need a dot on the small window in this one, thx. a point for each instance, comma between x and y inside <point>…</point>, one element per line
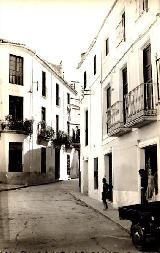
<point>96,173</point>
<point>68,127</point>
<point>85,80</point>
<point>15,157</point>
<point>43,84</point>
<point>57,95</point>
<point>43,113</point>
<point>86,127</point>
<point>16,69</point>
<point>121,30</point>
<point>108,97</point>
<point>68,98</point>
<point>95,65</point>
<point>57,123</point>
<point>107,47</point>
<point>142,6</point>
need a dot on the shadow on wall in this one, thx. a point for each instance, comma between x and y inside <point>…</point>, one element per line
<point>74,169</point>
<point>32,173</point>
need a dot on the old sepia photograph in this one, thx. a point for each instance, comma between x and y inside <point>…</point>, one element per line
<point>79,126</point>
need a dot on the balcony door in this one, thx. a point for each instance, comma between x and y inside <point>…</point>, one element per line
<point>125,92</point>
<point>16,107</point>
<point>147,75</point>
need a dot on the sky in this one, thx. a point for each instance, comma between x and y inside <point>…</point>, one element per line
<point>58,30</point>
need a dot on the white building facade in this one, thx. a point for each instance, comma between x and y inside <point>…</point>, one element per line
<point>34,101</point>
<point>120,104</point>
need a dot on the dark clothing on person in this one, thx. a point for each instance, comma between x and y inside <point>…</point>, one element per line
<point>144,184</point>
<point>104,193</point>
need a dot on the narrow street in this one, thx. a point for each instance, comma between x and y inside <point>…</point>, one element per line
<point>48,218</point>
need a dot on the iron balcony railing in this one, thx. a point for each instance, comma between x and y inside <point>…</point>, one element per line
<point>115,120</point>
<point>140,102</point>
<point>10,124</point>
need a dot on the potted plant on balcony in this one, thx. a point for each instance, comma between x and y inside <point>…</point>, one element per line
<point>45,132</point>
<point>7,123</point>
<point>28,126</point>
<point>62,138</point>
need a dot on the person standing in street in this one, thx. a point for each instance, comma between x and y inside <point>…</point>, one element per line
<point>104,193</point>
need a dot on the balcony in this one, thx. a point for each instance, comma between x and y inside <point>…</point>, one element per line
<point>139,106</point>
<point>115,121</point>
<point>45,133</point>
<point>18,126</point>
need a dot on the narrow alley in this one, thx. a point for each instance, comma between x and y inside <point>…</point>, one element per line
<point>48,218</point>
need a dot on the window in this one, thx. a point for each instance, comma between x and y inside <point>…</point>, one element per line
<point>142,5</point>
<point>43,160</point>
<point>43,84</point>
<point>57,123</point>
<point>15,157</point>
<point>125,92</point>
<point>96,173</point>
<point>57,94</point>
<point>94,64</point>
<point>147,75</point>
<point>85,80</point>
<point>107,46</point>
<point>16,107</point>
<point>108,91</point>
<point>86,127</point>
<point>43,113</point>
<point>121,30</point>
<point>68,128</point>
<point>16,69</point>
<point>68,98</point>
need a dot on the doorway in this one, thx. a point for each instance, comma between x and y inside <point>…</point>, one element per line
<point>57,163</point>
<point>85,178</point>
<point>151,171</point>
<point>108,173</point>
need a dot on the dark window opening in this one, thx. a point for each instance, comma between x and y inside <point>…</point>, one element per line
<point>16,69</point>
<point>43,83</point>
<point>16,107</point>
<point>68,98</point>
<point>57,94</point>
<point>86,128</point>
<point>96,173</point>
<point>108,107</point>
<point>43,113</point>
<point>125,92</point>
<point>147,74</point>
<point>94,64</point>
<point>145,5</point>
<point>57,123</point>
<point>107,46</point>
<point>123,26</point>
<point>68,128</point>
<point>43,160</point>
<point>85,80</point>
<point>15,157</point>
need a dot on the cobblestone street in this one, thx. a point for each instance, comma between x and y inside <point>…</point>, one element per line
<point>48,218</point>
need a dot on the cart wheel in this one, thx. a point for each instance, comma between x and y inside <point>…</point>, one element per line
<point>138,236</point>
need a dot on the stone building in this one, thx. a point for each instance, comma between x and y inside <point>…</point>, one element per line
<point>120,130</point>
<point>35,123</point>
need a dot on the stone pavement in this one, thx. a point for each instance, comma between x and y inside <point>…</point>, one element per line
<point>111,213</point>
